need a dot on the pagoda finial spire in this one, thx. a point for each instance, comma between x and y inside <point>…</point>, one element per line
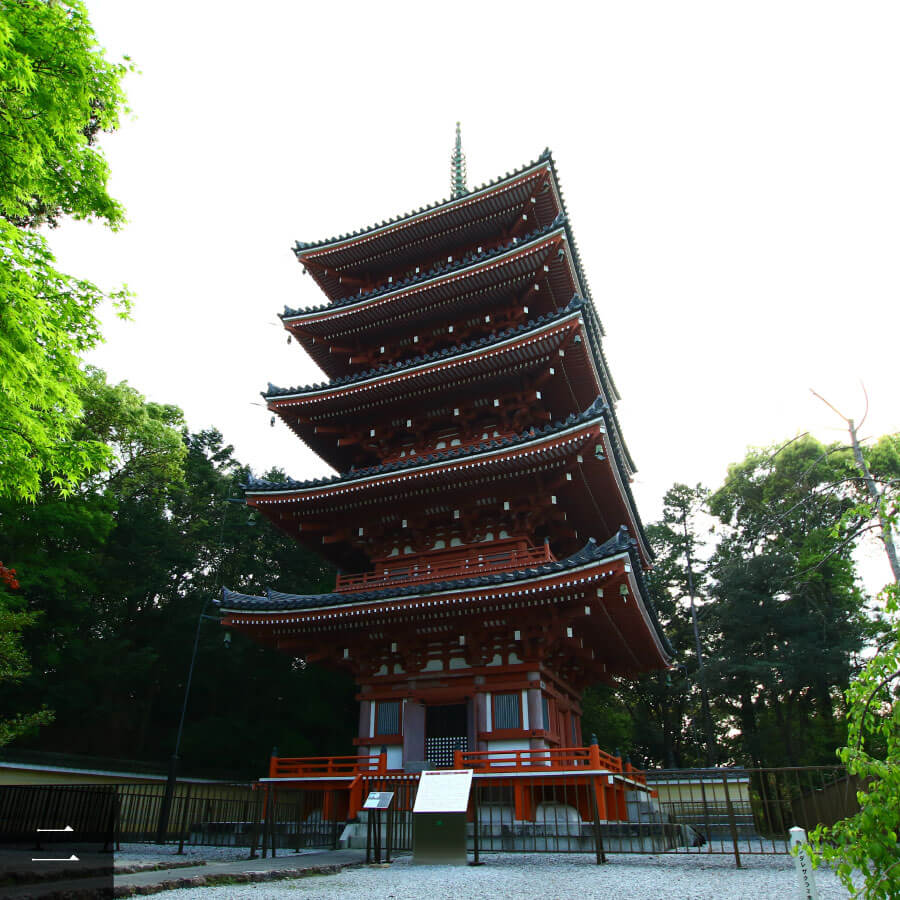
<point>458,185</point>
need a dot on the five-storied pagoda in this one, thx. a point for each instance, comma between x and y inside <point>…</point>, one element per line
<point>490,551</point>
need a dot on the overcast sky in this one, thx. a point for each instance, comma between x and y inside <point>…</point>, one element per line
<point>732,173</point>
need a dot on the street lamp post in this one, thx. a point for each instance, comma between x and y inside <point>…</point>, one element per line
<point>165,809</point>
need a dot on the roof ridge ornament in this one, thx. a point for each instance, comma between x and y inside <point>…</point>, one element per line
<point>458,187</point>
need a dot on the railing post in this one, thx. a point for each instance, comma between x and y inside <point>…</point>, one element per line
<point>382,761</point>
<point>273,763</point>
<point>731,823</point>
<point>457,759</point>
<point>594,753</point>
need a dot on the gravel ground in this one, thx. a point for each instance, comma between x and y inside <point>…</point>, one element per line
<point>135,853</point>
<point>554,877</point>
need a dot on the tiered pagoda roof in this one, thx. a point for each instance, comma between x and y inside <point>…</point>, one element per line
<point>518,199</point>
<point>488,359</point>
<point>470,414</point>
<point>582,575</point>
<point>583,436</point>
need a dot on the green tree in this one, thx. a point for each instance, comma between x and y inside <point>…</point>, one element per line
<point>14,665</point>
<point>57,91</point>
<point>120,571</point>
<point>866,844</point>
<point>658,718</point>
<point>67,547</point>
<point>788,618</point>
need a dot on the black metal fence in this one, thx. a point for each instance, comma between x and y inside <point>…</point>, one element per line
<point>713,811</point>
<point>743,811</point>
<point>58,812</point>
<point>261,819</point>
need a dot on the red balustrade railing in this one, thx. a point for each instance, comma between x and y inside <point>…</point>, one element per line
<point>562,758</point>
<point>468,567</point>
<point>326,766</point>
<point>499,762</point>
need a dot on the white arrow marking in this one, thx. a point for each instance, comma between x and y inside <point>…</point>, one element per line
<point>72,858</point>
<point>67,828</point>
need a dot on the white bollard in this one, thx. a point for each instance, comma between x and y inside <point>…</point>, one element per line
<point>803,866</point>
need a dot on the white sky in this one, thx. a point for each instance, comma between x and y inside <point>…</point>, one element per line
<point>732,173</point>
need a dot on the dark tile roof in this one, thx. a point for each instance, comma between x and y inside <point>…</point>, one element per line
<point>300,246</point>
<point>436,271</point>
<point>592,552</point>
<point>599,409</point>
<point>495,337</point>
<point>596,410</point>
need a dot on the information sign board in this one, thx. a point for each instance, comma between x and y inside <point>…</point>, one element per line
<point>443,791</point>
<point>378,800</point>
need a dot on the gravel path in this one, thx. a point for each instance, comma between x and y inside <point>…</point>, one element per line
<point>554,877</point>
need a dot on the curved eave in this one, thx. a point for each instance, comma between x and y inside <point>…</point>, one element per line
<point>504,458</point>
<point>369,309</point>
<point>281,617</point>
<point>453,376</point>
<point>510,459</point>
<point>430,223</point>
<point>458,361</point>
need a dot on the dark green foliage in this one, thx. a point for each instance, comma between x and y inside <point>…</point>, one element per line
<point>665,724</point>
<point>119,573</point>
<point>781,618</point>
<point>788,618</point>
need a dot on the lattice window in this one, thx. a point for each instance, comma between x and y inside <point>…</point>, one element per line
<point>387,717</point>
<point>439,750</point>
<point>506,711</point>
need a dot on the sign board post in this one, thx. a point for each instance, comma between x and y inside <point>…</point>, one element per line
<point>375,802</point>
<point>803,866</point>
<point>439,817</point>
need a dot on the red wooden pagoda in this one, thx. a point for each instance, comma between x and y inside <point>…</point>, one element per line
<point>490,551</point>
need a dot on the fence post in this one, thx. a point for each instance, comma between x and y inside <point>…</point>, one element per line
<point>708,834</point>
<point>335,833</point>
<point>595,812</point>
<point>265,823</point>
<point>731,823</point>
<point>390,827</point>
<point>184,819</point>
<point>257,807</point>
<point>162,827</point>
<point>475,826</point>
<point>273,824</point>
<point>377,816</point>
